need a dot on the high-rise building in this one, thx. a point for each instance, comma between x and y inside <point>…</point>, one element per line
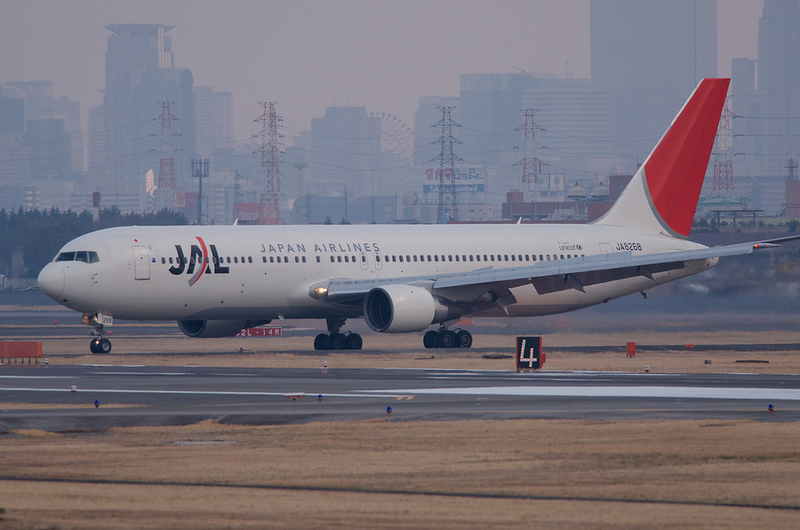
<point>649,55</point>
<point>345,152</point>
<point>214,120</point>
<point>140,75</point>
<point>779,85</point>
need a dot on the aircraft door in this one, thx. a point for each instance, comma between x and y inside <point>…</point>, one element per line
<point>141,262</point>
<point>364,263</point>
<point>378,260</point>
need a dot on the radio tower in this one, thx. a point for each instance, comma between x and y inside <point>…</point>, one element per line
<point>448,194</point>
<point>166,166</point>
<point>723,165</point>
<point>268,211</point>
<point>530,164</point>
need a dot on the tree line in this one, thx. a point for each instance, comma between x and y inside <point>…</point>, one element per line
<point>41,233</point>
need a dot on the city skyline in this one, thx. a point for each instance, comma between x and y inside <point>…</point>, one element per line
<point>308,56</point>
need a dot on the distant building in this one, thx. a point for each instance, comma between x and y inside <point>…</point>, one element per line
<point>344,152</point>
<point>41,146</point>
<point>140,75</point>
<point>778,85</point>
<point>649,55</point>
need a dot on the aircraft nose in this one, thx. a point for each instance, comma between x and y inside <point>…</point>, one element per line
<point>51,281</point>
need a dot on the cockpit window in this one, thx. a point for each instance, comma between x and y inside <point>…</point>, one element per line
<point>86,256</point>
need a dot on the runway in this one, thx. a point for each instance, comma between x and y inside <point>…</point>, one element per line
<point>142,395</point>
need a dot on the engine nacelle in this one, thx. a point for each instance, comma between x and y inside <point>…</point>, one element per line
<point>405,308</point>
<point>211,329</point>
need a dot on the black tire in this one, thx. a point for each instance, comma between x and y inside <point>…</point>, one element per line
<point>447,339</point>
<point>464,339</point>
<point>322,342</point>
<point>338,341</point>
<point>104,346</point>
<point>431,339</point>
<point>354,341</point>
<point>93,346</point>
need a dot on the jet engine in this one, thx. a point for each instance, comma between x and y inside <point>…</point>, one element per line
<point>210,329</point>
<point>405,308</point>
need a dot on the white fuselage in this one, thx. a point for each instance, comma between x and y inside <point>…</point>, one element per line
<point>267,272</point>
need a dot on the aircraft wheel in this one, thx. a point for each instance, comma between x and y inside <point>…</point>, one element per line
<point>464,339</point>
<point>429,340</point>
<point>93,346</point>
<point>337,341</point>
<point>354,341</point>
<point>104,346</point>
<point>322,342</point>
<point>447,339</point>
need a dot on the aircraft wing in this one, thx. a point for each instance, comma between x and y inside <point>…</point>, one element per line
<point>547,276</point>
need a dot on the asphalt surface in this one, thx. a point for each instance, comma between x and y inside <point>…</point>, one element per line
<point>141,395</point>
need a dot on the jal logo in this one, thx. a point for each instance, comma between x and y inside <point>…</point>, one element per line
<point>199,261</point>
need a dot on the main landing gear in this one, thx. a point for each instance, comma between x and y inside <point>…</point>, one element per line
<point>447,338</point>
<point>99,344</point>
<point>335,340</point>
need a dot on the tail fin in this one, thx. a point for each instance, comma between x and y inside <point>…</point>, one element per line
<point>663,194</point>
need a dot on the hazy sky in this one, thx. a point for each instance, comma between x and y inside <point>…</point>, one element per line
<point>308,55</point>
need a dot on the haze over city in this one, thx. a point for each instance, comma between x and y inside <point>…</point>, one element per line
<point>309,55</point>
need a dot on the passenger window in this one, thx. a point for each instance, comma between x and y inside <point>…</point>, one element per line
<point>415,257</point>
<point>163,261</point>
<point>527,257</point>
<point>456,257</point>
<point>408,258</point>
<point>562,256</point>
<point>339,259</point>
<point>429,257</point>
<point>249,259</point>
<point>304,259</point>
<point>235,259</point>
<point>471,257</point>
<point>492,256</point>
<point>401,259</point>
<point>436,257</point>
<point>394,259</point>
<point>513,257</point>
<point>297,259</point>
<point>318,260</point>
<point>534,257</point>
<point>264,259</point>
<point>548,257</point>
<point>378,258</point>
<point>347,259</point>
<point>506,257</point>
<point>333,260</point>
<point>450,258</point>
<point>541,258</point>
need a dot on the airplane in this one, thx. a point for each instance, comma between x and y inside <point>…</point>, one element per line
<point>217,280</point>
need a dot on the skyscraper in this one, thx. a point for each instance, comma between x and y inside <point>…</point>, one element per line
<point>649,55</point>
<point>139,76</point>
<point>779,85</point>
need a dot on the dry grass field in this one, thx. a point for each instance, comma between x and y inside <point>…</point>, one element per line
<point>392,474</point>
<point>383,474</point>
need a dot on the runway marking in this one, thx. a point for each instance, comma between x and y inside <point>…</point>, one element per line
<point>200,392</point>
<point>611,391</point>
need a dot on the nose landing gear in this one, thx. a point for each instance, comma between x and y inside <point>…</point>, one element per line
<point>100,344</point>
